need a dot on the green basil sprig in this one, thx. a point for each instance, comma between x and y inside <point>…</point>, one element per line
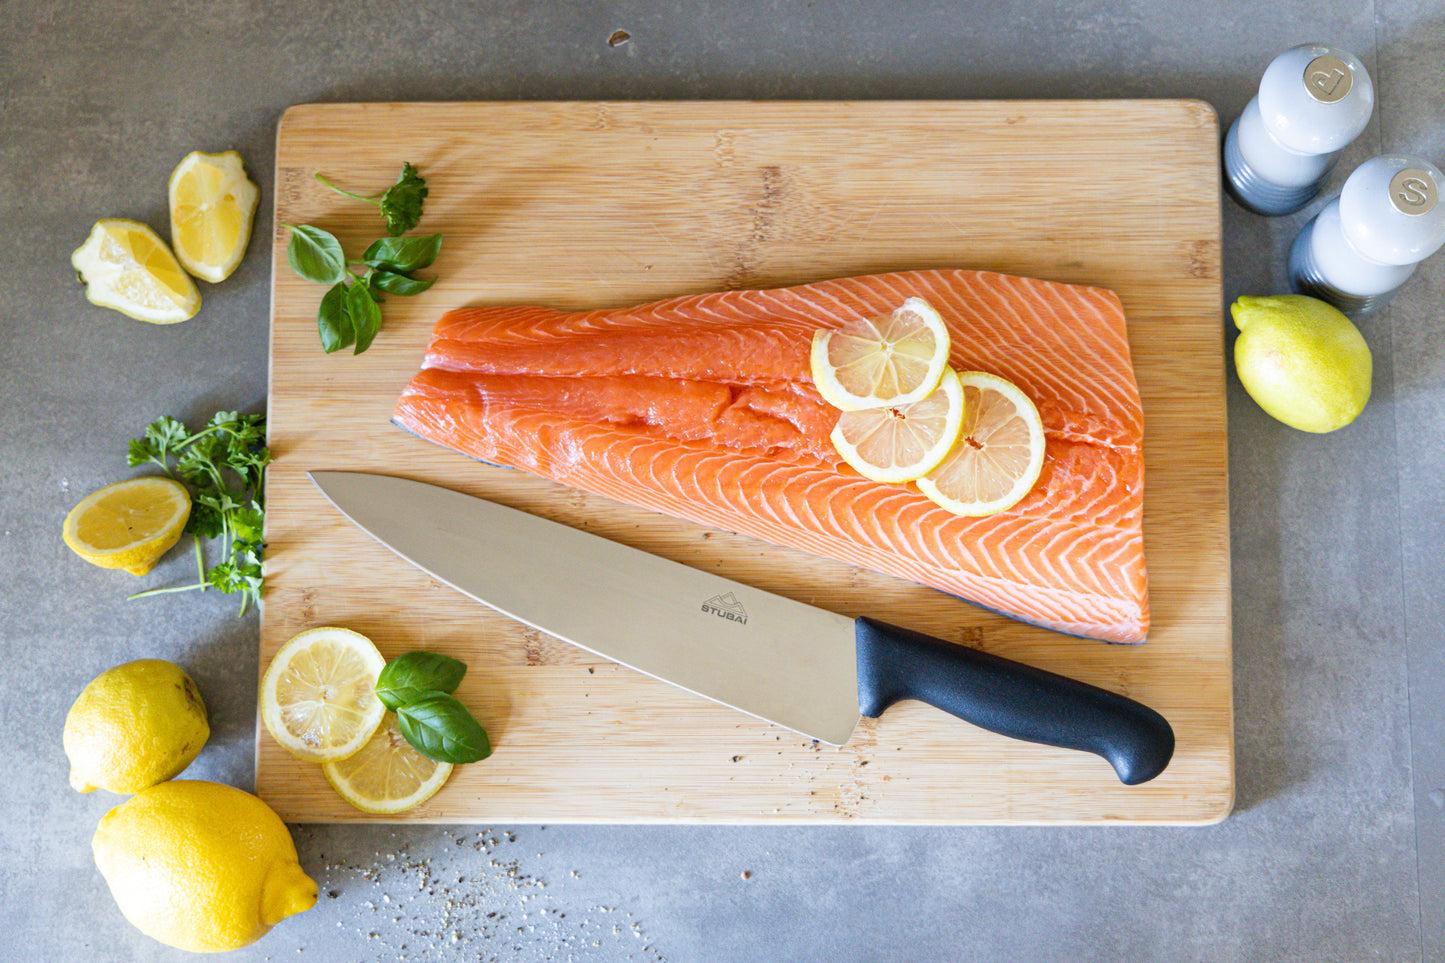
<point>418,687</point>
<point>349,313</point>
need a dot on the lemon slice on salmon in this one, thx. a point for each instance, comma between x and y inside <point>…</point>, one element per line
<point>388,775</point>
<point>126,266</point>
<point>212,204</point>
<point>899,443</point>
<point>318,697</point>
<point>128,525</point>
<point>895,359</point>
<point>999,452</point>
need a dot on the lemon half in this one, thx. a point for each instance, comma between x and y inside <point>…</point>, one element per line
<point>999,453</point>
<point>128,525</point>
<point>895,359</point>
<point>318,697</point>
<point>388,775</point>
<point>901,442</point>
<point>212,205</point>
<point>126,266</point>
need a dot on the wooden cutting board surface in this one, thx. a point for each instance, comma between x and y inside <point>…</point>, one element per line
<point>580,205</point>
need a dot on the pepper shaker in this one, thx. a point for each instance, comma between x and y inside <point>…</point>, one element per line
<point>1313,101</point>
<point>1357,251</point>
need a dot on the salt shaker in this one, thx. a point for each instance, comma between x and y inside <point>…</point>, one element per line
<point>1313,101</point>
<point>1362,245</point>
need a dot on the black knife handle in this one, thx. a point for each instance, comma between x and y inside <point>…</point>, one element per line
<point>1010,698</point>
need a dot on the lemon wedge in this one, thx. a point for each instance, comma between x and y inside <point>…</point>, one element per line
<point>388,775</point>
<point>212,206</point>
<point>999,451</point>
<point>899,443</point>
<point>124,265</point>
<point>895,359</point>
<point>318,697</point>
<point>128,525</point>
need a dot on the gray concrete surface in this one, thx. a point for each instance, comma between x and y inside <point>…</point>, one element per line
<point>1334,852</point>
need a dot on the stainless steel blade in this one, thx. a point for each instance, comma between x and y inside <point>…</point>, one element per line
<point>772,657</point>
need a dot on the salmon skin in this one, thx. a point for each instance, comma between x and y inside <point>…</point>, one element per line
<point>703,407</point>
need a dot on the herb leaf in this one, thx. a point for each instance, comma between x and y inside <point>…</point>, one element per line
<point>333,320</point>
<point>365,315</point>
<point>315,254</point>
<point>412,677</point>
<point>401,205</point>
<point>393,283</point>
<point>225,466</point>
<point>403,254</point>
<point>439,727</point>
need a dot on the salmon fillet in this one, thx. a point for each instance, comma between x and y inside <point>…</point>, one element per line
<point>703,407</point>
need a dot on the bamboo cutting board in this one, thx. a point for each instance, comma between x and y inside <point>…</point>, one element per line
<point>579,205</point>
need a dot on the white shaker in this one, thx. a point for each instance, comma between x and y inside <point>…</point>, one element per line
<point>1362,245</point>
<point>1313,101</point>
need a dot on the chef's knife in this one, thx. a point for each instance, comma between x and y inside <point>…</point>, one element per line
<point>801,667</point>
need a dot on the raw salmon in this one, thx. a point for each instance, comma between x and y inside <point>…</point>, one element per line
<point>704,407</point>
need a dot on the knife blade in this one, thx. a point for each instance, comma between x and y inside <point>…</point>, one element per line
<point>809,670</point>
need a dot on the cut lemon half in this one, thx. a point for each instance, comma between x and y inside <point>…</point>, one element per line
<point>895,359</point>
<point>318,697</point>
<point>124,265</point>
<point>899,443</point>
<point>212,205</point>
<point>128,525</point>
<point>387,775</point>
<point>999,452</point>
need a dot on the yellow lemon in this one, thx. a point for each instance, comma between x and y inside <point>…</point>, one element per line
<point>128,525</point>
<point>318,697</point>
<point>895,359</point>
<point>999,453</point>
<point>387,775</point>
<point>212,204</point>
<point>899,443</point>
<point>1301,360</point>
<point>201,866</point>
<point>133,726</point>
<point>124,265</point>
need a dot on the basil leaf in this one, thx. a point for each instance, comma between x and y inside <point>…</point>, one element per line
<point>440,727</point>
<point>333,319</point>
<point>403,254</point>
<point>365,315</point>
<point>412,677</point>
<point>315,254</point>
<point>393,283</point>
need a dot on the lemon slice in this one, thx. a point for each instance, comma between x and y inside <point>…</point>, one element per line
<point>318,697</point>
<point>126,266</point>
<point>212,204</point>
<point>387,775</point>
<point>128,525</point>
<point>902,442</point>
<point>895,359</point>
<point>999,453</point>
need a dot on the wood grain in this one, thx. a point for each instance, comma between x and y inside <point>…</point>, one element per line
<point>580,205</point>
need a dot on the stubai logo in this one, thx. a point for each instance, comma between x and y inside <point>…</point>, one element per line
<point>727,607</point>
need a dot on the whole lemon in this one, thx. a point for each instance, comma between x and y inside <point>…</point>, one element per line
<point>1301,360</point>
<point>201,866</point>
<point>133,726</point>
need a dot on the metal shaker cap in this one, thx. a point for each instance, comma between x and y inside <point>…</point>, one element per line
<point>1316,98</point>
<point>1390,209</point>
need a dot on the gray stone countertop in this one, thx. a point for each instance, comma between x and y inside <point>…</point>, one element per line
<point>1334,849</point>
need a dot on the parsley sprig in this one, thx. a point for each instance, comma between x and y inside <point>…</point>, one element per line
<point>224,465</point>
<point>350,310</point>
